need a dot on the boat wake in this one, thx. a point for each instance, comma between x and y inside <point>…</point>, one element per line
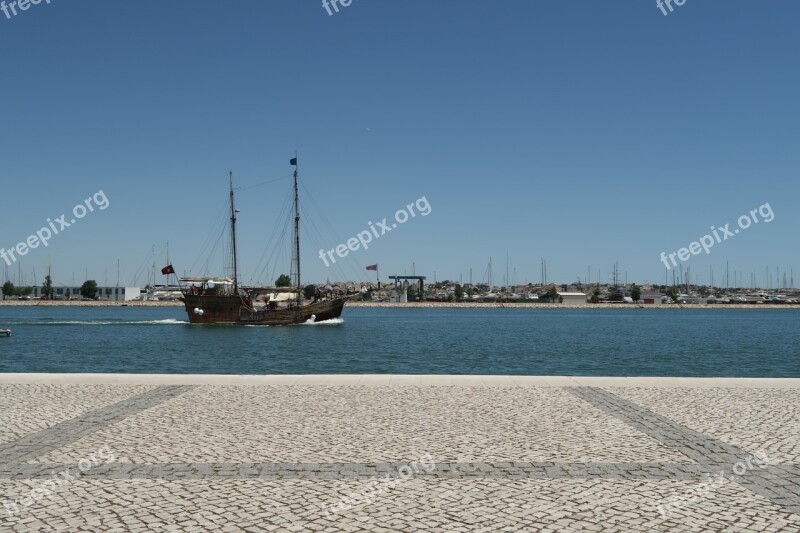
<point>331,322</point>
<point>166,321</point>
<point>309,322</point>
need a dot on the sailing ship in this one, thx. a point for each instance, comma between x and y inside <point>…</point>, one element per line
<point>225,301</point>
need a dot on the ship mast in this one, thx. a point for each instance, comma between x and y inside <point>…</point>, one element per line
<point>233,240</point>
<point>296,250</point>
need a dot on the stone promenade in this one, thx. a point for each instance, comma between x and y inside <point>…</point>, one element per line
<point>398,453</point>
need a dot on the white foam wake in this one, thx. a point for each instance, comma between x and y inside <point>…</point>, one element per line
<point>165,321</point>
<point>331,322</point>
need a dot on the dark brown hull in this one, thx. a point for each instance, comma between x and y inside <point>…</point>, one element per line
<point>236,310</point>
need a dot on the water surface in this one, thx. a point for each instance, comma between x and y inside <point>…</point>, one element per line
<point>591,342</point>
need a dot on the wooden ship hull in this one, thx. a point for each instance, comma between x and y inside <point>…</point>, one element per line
<point>237,310</point>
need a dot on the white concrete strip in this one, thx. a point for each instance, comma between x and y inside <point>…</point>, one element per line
<point>400,380</point>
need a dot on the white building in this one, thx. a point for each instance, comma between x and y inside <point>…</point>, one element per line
<point>573,298</point>
<point>112,294</point>
<point>652,298</point>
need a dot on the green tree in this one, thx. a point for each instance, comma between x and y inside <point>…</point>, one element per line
<point>47,288</point>
<point>23,291</point>
<point>674,293</point>
<point>636,293</point>
<point>283,281</point>
<point>459,292</point>
<point>8,289</point>
<point>552,293</point>
<point>450,297</point>
<point>596,296</point>
<point>89,289</point>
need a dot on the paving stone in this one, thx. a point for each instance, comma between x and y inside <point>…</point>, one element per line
<point>360,424</point>
<point>414,458</point>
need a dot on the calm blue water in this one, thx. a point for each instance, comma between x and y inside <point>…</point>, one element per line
<point>597,342</point>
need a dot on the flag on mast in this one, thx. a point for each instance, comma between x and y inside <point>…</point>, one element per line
<point>167,270</point>
<point>377,276</point>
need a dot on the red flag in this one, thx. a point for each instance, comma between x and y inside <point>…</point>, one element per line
<point>167,270</point>
<point>372,267</point>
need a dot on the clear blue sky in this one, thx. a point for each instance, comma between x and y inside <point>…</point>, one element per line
<point>583,132</point>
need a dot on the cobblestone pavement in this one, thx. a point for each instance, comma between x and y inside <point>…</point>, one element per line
<point>308,457</point>
<point>29,408</point>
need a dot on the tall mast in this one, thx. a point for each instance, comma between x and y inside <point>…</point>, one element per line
<point>296,250</point>
<point>233,239</point>
<point>166,277</point>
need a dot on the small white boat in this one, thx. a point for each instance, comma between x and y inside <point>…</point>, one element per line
<point>5,332</point>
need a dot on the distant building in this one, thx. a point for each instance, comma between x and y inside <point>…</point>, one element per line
<point>573,298</point>
<point>111,294</point>
<point>652,298</point>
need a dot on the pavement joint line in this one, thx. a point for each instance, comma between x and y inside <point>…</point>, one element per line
<point>472,470</point>
<point>50,439</point>
<point>777,483</point>
<point>695,445</point>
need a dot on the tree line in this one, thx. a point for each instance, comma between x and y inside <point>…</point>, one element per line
<point>87,290</point>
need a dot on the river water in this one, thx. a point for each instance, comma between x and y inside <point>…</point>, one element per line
<point>590,342</point>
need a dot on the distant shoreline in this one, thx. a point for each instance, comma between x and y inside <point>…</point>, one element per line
<point>529,305</point>
<point>416,305</point>
<point>96,303</point>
